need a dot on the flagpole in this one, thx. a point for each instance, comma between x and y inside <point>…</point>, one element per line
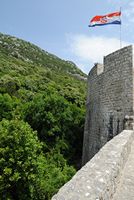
<point>120,32</point>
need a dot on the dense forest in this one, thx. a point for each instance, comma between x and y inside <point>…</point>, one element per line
<point>42,111</point>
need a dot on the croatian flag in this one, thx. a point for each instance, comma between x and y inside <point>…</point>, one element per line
<point>112,18</point>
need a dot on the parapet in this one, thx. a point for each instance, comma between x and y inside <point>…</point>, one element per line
<point>98,179</point>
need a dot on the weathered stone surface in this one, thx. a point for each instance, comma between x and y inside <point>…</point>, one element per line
<point>98,179</point>
<point>110,98</point>
<point>125,189</point>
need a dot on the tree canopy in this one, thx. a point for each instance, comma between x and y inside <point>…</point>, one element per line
<point>42,111</point>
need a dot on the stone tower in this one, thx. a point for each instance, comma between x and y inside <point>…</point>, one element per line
<point>109,100</point>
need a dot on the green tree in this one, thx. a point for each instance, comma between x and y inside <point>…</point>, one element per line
<point>55,173</point>
<point>19,150</point>
<point>56,120</point>
<point>8,106</point>
<point>25,173</point>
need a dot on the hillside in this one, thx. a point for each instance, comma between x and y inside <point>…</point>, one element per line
<point>31,53</point>
<point>21,62</point>
<point>42,111</point>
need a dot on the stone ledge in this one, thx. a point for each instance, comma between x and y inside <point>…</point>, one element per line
<point>98,179</point>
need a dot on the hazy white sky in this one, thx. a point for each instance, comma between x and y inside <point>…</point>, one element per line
<point>61,27</point>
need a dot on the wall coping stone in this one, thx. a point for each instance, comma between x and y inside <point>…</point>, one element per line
<point>98,179</point>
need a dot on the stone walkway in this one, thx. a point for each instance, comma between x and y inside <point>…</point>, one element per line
<point>125,191</point>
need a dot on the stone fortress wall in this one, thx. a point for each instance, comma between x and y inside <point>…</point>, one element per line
<point>109,100</point>
<point>110,105</point>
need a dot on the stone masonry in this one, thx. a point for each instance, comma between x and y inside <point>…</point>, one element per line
<point>109,100</point>
<point>101,178</point>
